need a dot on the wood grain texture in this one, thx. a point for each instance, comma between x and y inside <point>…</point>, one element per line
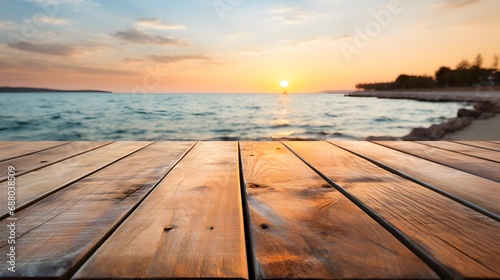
<point>473,165</point>
<point>464,241</point>
<point>305,228</point>
<point>476,190</point>
<point>38,160</point>
<point>465,149</point>
<point>4,144</point>
<point>40,183</point>
<point>57,233</point>
<point>27,148</point>
<point>191,226</point>
<point>481,144</point>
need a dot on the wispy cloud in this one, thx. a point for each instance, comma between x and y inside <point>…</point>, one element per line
<point>292,15</point>
<point>58,1</point>
<point>158,24</point>
<point>39,66</point>
<point>7,65</point>
<point>134,35</point>
<point>454,4</point>
<point>341,38</point>
<point>167,59</point>
<point>50,49</point>
<point>308,41</point>
<point>52,20</point>
<point>53,49</point>
<point>7,25</point>
<point>130,60</point>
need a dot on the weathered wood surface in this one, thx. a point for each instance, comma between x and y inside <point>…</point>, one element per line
<point>27,148</point>
<point>37,184</point>
<point>44,158</point>
<point>305,228</point>
<point>476,190</point>
<point>456,240</point>
<point>481,144</point>
<point>191,226</point>
<point>473,165</point>
<point>465,149</point>
<point>59,232</point>
<point>121,211</point>
<point>5,144</point>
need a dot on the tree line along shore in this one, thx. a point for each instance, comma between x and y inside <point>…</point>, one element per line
<point>465,75</point>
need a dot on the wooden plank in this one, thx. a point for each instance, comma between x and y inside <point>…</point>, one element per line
<point>464,149</point>
<point>476,166</point>
<point>305,228</point>
<point>481,144</point>
<point>25,164</point>
<point>27,148</point>
<point>58,233</point>
<point>40,183</point>
<point>191,226</point>
<point>476,190</point>
<point>457,241</point>
<point>5,144</point>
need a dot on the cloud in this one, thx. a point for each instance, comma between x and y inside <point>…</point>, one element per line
<point>129,60</point>
<point>96,71</point>
<point>308,41</point>
<point>292,15</point>
<point>50,49</point>
<point>7,65</point>
<point>167,59</point>
<point>454,4</point>
<point>341,38</point>
<point>158,24</point>
<point>56,2</point>
<point>37,66</point>
<point>134,35</point>
<point>53,49</point>
<point>7,25</point>
<point>51,20</point>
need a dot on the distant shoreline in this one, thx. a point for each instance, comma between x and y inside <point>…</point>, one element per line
<point>39,90</point>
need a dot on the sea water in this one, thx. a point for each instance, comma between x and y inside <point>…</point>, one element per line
<point>105,116</point>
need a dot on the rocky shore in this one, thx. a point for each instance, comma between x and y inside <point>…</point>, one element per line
<point>487,106</point>
<point>428,96</point>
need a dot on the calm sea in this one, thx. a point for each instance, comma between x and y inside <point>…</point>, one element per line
<point>98,116</point>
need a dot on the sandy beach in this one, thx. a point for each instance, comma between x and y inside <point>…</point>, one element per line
<point>479,130</point>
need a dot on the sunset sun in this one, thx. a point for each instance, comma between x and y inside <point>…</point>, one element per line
<point>284,83</point>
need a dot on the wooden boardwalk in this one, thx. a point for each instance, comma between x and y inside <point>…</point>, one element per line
<point>251,210</point>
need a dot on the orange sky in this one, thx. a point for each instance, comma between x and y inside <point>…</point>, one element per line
<point>212,46</point>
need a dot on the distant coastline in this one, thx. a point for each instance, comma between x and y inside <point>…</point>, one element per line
<point>34,90</point>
